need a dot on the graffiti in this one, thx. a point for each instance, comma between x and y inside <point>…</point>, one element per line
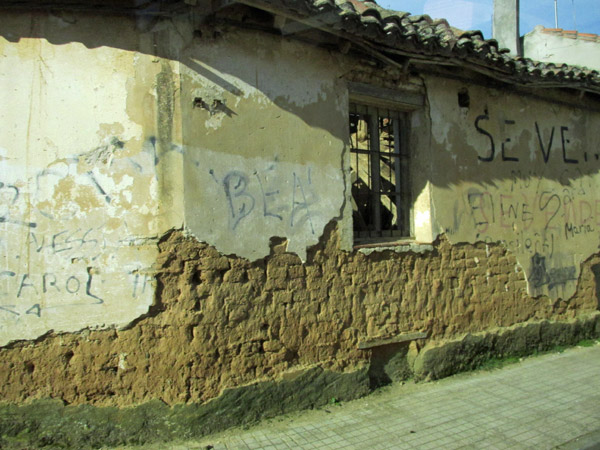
<point>561,276</point>
<point>529,243</point>
<point>35,309</point>
<point>79,287</point>
<point>268,198</point>
<point>68,242</point>
<point>300,204</point>
<point>540,276</point>
<point>241,203</point>
<point>9,309</point>
<point>100,189</point>
<point>573,230</point>
<point>511,154</point>
<point>165,149</point>
<point>139,284</point>
<point>243,195</point>
<point>536,220</point>
<point>544,149</point>
<point>520,211</point>
<point>489,158</point>
<point>52,256</point>
<point>544,222</point>
<point>36,284</point>
<point>505,210</point>
<point>48,179</point>
<point>9,195</point>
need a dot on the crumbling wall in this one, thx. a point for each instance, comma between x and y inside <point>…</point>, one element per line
<point>157,129</point>
<point>223,322</point>
<point>521,170</point>
<point>261,284</point>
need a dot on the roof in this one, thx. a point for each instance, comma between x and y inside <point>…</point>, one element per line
<point>397,37</point>
<point>422,38</point>
<point>571,34</point>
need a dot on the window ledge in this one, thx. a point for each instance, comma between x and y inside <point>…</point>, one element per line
<point>399,246</point>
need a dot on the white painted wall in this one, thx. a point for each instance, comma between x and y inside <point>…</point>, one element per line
<point>546,47</point>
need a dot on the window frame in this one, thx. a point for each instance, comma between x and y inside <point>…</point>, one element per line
<point>398,104</point>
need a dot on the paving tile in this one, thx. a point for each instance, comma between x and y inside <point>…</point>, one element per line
<point>538,403</point>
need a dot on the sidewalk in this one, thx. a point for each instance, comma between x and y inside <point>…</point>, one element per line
<point>539,403</point>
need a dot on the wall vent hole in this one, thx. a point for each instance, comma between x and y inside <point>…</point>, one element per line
<point>463,98</point>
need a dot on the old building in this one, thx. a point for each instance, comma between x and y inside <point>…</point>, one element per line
<point>269,204</point>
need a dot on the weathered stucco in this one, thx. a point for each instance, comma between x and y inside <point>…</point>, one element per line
<point>265,137</point>
<point>93,158</point>
<point>83,199</point>
<point>176,220</point>
<point>520,171</point>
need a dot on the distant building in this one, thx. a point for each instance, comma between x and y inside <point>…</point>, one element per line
<point>562,46</point>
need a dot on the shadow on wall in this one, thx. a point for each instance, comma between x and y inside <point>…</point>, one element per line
<point>389,363</point>
<point>498,139</point>
<point>169,38</point>
<point>596,271</point>
<point>496,153</point>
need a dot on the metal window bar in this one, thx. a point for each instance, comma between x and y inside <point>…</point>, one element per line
<point>378,140</point>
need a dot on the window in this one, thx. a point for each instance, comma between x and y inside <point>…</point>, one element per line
<point>379,172</point>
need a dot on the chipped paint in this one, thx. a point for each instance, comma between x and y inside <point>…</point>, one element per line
<point>267,160</point>
<point>79,184</point>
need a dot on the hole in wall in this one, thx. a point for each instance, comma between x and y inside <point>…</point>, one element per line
<point>389,363</point>
<point>463,98</point>
<point>67,357</point>
<point>596,272</point>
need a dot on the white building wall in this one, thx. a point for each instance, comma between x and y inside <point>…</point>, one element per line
<point>562,47</point>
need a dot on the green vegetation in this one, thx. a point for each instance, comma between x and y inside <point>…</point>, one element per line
<point>51,424</point>
<point>500,362</point>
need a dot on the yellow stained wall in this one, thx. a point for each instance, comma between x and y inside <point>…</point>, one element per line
<point>83,197</point>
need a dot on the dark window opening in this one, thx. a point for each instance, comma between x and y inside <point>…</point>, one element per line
<point>379,171</point>
<point>463,98</point>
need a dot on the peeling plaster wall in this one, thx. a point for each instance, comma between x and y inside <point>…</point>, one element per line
<point>149,197</point>
<point>222,322</point>
<point>519,171</point>
<point>264,142</point>
<point>82,194</point>
<point>92,159</point>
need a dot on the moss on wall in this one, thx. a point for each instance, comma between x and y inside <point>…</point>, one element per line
<point>50,423</point>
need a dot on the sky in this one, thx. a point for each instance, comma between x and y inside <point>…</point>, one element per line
<point>580,15</point>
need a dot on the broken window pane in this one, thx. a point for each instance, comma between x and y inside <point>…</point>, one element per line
<point>378,172</point>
